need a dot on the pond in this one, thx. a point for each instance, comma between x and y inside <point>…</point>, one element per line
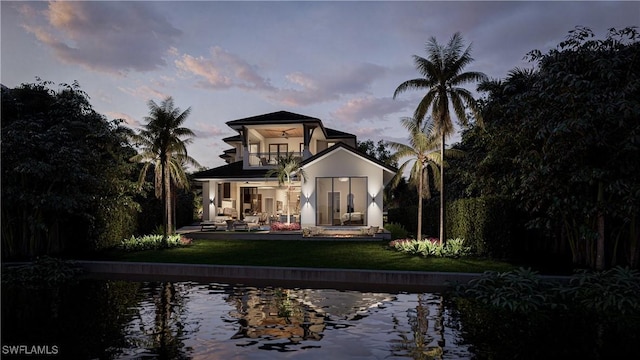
<point>117,319</point>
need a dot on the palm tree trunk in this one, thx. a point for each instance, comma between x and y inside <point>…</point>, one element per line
<point>288,215</point>
<point>442,191</point>
<point>167,179</point>
<point>165,220</point>
<point>420,185</point>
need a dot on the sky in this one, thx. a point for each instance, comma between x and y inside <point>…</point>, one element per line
<point>334,60</point>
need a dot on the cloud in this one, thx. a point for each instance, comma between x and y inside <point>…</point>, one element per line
<point>368,108</point>
<point>143,92</point>
<point>205,130</point>
<point>112,37</point>
<point>329,85</point>
<point>223,70</point>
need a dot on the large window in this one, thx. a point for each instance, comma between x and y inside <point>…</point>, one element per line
<point>341,201</point>
<point>276,151</point>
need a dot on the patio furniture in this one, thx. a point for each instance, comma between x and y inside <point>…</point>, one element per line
<point>251,222</point>
<point>230,223</point>
<point>208,224</point>
<point>264,217</point>
<point>230,212</point>
<point>353,218</point>
<point>218,222</point>
<point>240,225</point>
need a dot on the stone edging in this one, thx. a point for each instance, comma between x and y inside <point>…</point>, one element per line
<point>305,276</point>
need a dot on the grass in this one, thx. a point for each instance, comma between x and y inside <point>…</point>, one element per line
<point>313,254</point>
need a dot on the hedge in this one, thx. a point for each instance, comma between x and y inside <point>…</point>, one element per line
<point>487,224</point>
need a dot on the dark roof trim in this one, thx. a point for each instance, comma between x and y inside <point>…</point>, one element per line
<point>278,117</point>
<point>231,171</point>
<point>234,138</point>
<point>335,134</point>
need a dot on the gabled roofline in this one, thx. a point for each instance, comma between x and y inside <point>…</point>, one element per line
<point>324,153</point>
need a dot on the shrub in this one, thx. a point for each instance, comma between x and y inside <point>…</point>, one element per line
<point>592,314</point>
<point>487,223</point>
<point>397,231</point>
<point>152,242</point>
<point>279,226</point>
<point>45,271</point>
<point>456,248</point>
<point>431,247</point>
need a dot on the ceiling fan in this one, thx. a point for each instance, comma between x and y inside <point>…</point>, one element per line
<point>284,133</point>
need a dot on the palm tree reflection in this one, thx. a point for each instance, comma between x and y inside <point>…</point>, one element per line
<point>422,341</point>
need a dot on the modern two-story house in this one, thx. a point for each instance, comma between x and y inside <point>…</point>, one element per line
<point>343,187</point>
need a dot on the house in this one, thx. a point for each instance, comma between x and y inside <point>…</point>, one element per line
<point>343,186</point>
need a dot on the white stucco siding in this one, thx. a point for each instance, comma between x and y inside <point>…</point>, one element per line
<point>209,191</point>
<point>341,163</point>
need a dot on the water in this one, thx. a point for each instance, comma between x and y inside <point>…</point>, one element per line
<point>190,320</point>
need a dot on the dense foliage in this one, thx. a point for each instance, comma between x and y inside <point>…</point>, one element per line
<point>562,142</point>
<point>45,272</point>
<point>521,315</point>
<point>488,224</point>
<point>65,176</point>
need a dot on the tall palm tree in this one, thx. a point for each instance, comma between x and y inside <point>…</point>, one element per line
<point>286,168</point>
<point>442,77</point>
<point>422,152</point>
<point>163,143</point>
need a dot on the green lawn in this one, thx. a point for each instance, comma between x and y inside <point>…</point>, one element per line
<point>314,254</point>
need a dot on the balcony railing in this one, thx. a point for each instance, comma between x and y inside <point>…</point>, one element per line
<point>266,159</point>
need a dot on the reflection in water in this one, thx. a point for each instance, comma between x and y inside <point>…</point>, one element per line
<point>186,320</point>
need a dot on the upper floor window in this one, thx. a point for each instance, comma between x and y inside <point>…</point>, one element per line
<point>277,150</point>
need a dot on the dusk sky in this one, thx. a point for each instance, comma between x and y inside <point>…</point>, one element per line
<point>337,61</point>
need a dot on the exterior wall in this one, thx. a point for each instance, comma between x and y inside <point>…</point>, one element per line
<point>342,163</point>
<point>209,191</point>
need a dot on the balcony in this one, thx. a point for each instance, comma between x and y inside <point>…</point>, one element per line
<point>266,159</point>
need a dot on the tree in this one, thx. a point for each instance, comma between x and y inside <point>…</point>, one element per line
<point>378,150</point>
<point>561,142</point>
<point>442,77</point>
<point>163,143</point>
<point>287,167</point>
<point>489,167</point>
<point>581,169</point>
<point>66,183</point>
<point>381,152</point>
<point>422,152</point>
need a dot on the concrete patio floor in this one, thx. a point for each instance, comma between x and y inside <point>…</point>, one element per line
<point>194,231</point>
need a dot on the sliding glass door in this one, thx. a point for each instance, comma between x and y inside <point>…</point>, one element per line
<point>341,201</point>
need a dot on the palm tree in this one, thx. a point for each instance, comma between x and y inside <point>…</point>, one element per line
<point>163,143</point>
<point>286,168</point>
<point>442,75</point>
<point>422,151</point>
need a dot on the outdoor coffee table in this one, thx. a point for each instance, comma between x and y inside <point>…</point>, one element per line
<point>230,224</point>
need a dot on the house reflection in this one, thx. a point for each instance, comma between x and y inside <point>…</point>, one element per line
<point>296,315</point>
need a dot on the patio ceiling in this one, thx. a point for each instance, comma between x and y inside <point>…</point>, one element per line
<point>286,131</point>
